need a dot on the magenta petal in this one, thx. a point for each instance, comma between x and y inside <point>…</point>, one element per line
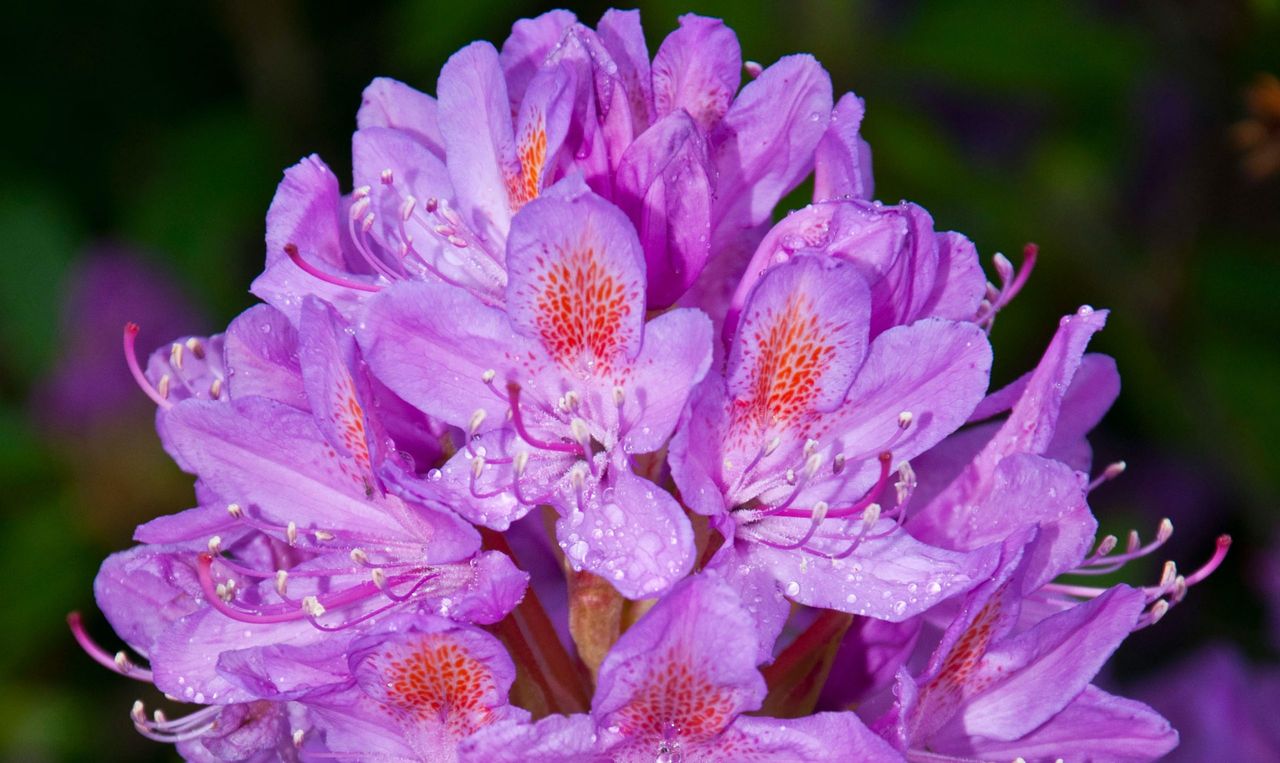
<point>261,348</point>
<point>829,737</point>
<point>576,282</point>
<point>554,739</point>
<point>889,576</point>
<point>632,533</point>
<point>410,338</point>
<point>697,68</point>
<point>960,283</point>
<point>663,184</point>
<point>526,49</point>
<point>388,103</point>
<point>1094,726</point>
<point>620,34</point>
<point>1063,651</point>
<point>698,635</point>
<point>802,339</point>
<point>475,120</point>
<point>675,356</point>
<point>842,159</point>
<point>764,146</point>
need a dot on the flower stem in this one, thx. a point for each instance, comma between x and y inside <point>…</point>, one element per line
<point>537,650</point>
<point>795,679</point>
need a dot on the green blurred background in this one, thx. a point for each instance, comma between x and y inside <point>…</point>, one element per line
<point>1137,142</point>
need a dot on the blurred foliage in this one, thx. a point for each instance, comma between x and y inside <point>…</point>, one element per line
<point>1098,129</point>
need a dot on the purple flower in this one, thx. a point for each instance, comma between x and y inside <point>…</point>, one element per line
<point>556,393</point>
<point>675,687</point>
<point>790,451</point>
<point>517,306</point>
<point>419,688</point>
<point>994,690</point>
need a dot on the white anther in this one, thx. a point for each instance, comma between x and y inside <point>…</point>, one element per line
<point>379,577</point>
<point>223,592</point>
<point>1158,610</point>
<point>312,606</point>
<point>578,475</point>
<point>1003,266</point>
<point>458,242</point>
<point>196,348</point>
<point>291,532</point>
<point>477,466</point>
<point>820,510</point>
<point>282,581</point>
<point>215,388</point>
<point>1107,545</point>
<point>361,192</point>
<point>175,356</point>
<point>159,716</point>
<point>571,400</point>
<point>579,429</point>
<point>773,444</point>
<point>360,208</point>
<point>904,419</point>
<point>477,419</point>
<point>358,556</point>
<point>752,69</point>
<point>1115,470</point>
<point>387,176</point>
<point>1164,531</point>
<point>138,711</point>
<point>790,476</point>
<point>297,737</point>
<point>619,396</point>
<point>406,209</point>
<point>812,464</point>
<point>519,461</point>
<point>810,446</point>
<point>322,535</point>
<point>487,376</point>
<point>122,661</point>
<point>1168,574</point>
<point>871,515</point>
<point>234,510</point>
<point>366,224</point>
<point>837,463</point>
<point>163,386</point>
<point>215,544</point>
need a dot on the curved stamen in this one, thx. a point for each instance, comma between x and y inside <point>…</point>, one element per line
<point>360,212</point>
<point>1219,553</point>
<point>867,499</point>
<point>513,391</point>
<point>184,729</point>
<point>118,663</point>
<point>131,359</point>
<point>311,270</point>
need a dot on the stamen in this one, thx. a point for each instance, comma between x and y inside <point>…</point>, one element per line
<point>117,663</point>
<point>175,356</point>
<point>131,359</point>
<point>1111,472</point>
<point>311,270</point>
<point>513,391</point>
<point>867,499</point>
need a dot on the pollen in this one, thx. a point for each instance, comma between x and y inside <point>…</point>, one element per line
<point>582,308</point>
<point>436,678</point>
<point>792,347</point>
<point>676,695</point>
<point>524,185</point>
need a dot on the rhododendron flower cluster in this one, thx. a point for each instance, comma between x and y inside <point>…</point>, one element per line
<point>555,439</point>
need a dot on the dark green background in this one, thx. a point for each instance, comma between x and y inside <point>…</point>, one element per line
<point>1099,130</point>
